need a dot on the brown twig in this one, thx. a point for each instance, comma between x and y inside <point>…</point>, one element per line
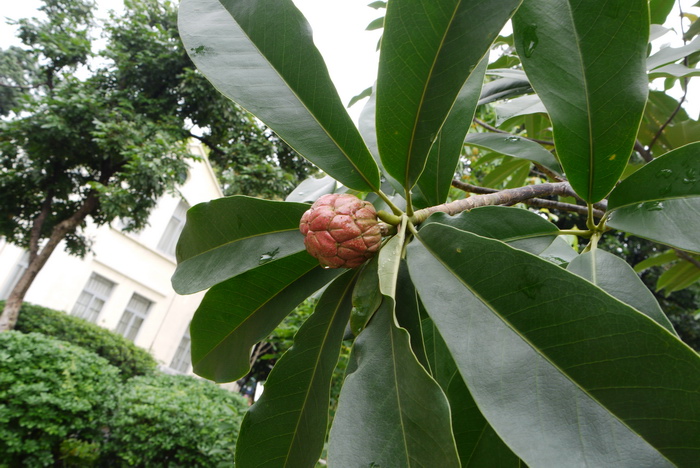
<point>643,152</point>
<point>687,257</point>
<point>534,202</point>
<point>501,197</point>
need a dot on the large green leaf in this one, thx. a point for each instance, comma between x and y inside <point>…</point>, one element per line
<point>513,145</point>
<point>561,369</point>
<point>477,443</point>
<point>236,314</point>
<point>226,237</point>
<point>390,412</point>
<point>434,183</point>
<point>262,55</point>
<point>613,275</point>
<point>429,50</point>
<point>661,201</point>
<point>520,228</point>
<point>586,60</point>
<point>288,428</point>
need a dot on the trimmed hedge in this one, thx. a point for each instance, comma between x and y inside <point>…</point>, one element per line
<point>52,394</point>
<point>62,405</point>
<point>119,351</point>
<point>174,420</point>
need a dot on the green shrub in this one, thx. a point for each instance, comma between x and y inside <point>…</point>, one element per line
<point>55,397</point>
<point>167,420</point>
<point>119,351</point>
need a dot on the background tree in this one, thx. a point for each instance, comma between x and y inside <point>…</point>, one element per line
<point>484,334</point>
<point>93,135</point>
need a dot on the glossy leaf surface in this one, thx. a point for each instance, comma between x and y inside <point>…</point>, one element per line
<point>288,428</point>
<point>616,277</point>
<point>561,369</point>
<point>587,62</point>
<point>520,228</point>
<point>434,183</point>
<point>312,189</point>
<point>421,75</point>
<point>513,145</point>
<point>226,237</point>
<point>390,392</point>
<point>237,313</point>
<point>661,201</point>
<point>262,56</point>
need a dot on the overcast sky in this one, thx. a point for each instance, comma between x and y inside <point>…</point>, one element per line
<point>339,33</point>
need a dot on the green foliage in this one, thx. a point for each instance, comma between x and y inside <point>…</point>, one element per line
<point>61,403</point>
<point>56,399</point>
<point>481,335</point>
<point>165,420</point>
<point>117,350</point>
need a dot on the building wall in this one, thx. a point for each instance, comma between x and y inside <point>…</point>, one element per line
<point>133,262</point>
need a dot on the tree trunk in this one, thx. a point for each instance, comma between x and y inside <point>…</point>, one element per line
<point>10,314</point>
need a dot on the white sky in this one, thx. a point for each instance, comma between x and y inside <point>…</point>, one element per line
<point>339,33</point>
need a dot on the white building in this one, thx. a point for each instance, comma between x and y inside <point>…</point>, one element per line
<point>124,283</point>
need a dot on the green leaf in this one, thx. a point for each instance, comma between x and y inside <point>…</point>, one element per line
<point>389,260</point>
<point>390,412</point>
<point>288,428</point>
<point>561,369</point>
<point>659,10</point>
<point>524,105</point>
<point>236,314</point>
<point>587,63</point>
<point>366,297</point>
<point>312,189</point>
<point>656,260</point>
<point>675,70</point>
<point>679,276</point>
<point>367,92</point>
<point>434,183</point>
<point>429,51</point>
<point>671,54</point>
<point>477,443</point>
<point>248,233</point>
<point>408,313</point>
<point>375,24</point>
<point>613,275</point>
<point>515,146</point>
<point>560,252</point>
<point>503,89</point>
<point>262,56</point>
<point>661,201</point>
<point>522,229</point>
<point>507,168</point>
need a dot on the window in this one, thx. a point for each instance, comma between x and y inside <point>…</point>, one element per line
<point>16,274</point>
<point>183,360</point>
<point>134,315</point>
<point>173,229</point>
<point>93,298</point>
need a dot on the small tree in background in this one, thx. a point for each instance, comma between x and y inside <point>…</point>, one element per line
<point>110,144</point>
<point>481,337</point>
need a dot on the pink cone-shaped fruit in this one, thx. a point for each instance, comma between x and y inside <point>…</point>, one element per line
<point>341,230</point>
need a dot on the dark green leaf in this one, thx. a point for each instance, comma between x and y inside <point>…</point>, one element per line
<point>587,63</point>
<point>560,252</point>
<point>236,314</point>
<point>616,277</point>
<point>434,184</point>
<point>262,55</point>
<point>228,236</point>
<point>288,428</point>
<point>560,369</point>
<point>656,260</point>
<point>514,146</point>
<point>504,88</point>
<point>659,10</point>
<point>421,75</point>
<point>408,313</point>
<point>390,412</point>
<point>522,229</point>
<point>661,201</point>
